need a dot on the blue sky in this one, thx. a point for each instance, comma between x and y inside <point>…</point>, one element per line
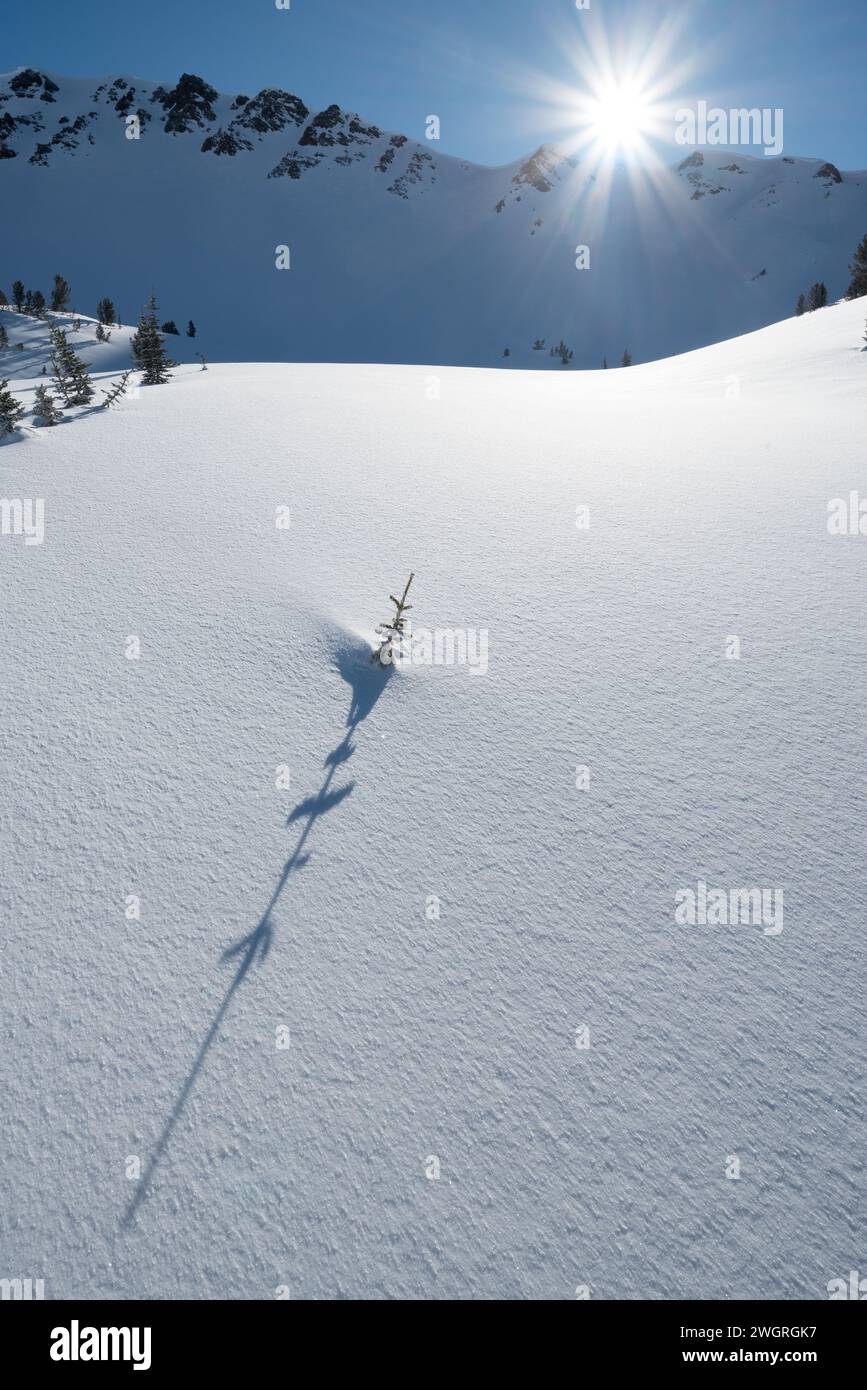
<point>494,71</point>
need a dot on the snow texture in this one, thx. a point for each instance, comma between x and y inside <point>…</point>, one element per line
<point>707,479</point>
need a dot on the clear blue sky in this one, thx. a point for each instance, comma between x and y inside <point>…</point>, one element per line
<point>488,68</point>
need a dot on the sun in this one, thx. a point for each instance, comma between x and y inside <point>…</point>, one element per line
<point>619,116</point>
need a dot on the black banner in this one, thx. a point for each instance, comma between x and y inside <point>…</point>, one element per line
<point>163,1339</point>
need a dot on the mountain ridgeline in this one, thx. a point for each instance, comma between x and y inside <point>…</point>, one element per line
<point>293,234</point>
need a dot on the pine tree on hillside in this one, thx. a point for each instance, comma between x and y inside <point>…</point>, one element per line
<point>45,407</point>
<point>818,297</point>
<point>191,329</point>
<point>71,376</point>
<point>18,294</point>
<point>627,358</point>
<point>858,268</point>
<point>37,304</point>
<point>28,301</point>
<point>11,410</point>
<point>101,335</point>
<point>105,310</point>
<point>60,295</point>
<point>170,327</point>
<point>800,305</point>
<point>4,336</point>
<point>148,350</point>
<point>3,299</point>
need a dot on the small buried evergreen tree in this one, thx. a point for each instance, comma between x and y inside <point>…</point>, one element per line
<point>627,358</point>
<point>170,327</point>
<point>105,311</point>
<point>191,329</point>
<point>45,408</point>
<point>101,335</point>
<point>858,268</point>
<point>118,390</point>
<point>71,376</point>
<point>392,633</point>
<point>11,410</point>
<point>800,305</point>
<point>60,295</point>
<point>148,351</point>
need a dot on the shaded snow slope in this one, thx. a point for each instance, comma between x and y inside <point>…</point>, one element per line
<point>707,479</point>
<point>398,253</point>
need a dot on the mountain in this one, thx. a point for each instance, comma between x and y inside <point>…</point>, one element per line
<point>397,252</point>
<point>241,1087</point>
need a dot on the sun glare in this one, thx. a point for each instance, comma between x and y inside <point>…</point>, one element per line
<point>619,116</point>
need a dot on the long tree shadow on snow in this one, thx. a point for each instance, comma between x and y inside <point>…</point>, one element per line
<point>367,679</point>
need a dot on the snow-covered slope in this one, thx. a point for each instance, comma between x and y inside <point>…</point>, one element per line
<point>153,1042</point>
<point>397,253</point>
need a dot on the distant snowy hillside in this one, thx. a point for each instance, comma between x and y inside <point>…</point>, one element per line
<point>398,253</point>
<point>297,957</point>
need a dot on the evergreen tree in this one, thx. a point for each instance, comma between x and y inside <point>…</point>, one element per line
<point>148,350</point>
<point>28,301</point>
<point>627,358</point>
<point>101,336</point>
<point>60,295</point>
<point>170,327</point>
<point>393,632</point>
<point>117,390</point>
<point>605,364</point>
<point>818,297</point>
<point>71,376</point>
<point>4,336</point>
<point>800,306</point>
<point>18,295</point>
<point>191,329</point>
<point>105,311</point>
<point>45,407</point>
<point>3,299</point>
<point>37,304</point>
<point>11,410</point>
<point>858,268</point>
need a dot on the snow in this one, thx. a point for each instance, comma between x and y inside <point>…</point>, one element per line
<point>409,261</point>
<point>304,1167</point>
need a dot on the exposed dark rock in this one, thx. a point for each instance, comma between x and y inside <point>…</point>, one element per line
<point>829,172</point>
<point>29,82</point>
<point>225,142</point>
<point>188,104</point>
<point>414,173</point>
<point>271,109</point>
